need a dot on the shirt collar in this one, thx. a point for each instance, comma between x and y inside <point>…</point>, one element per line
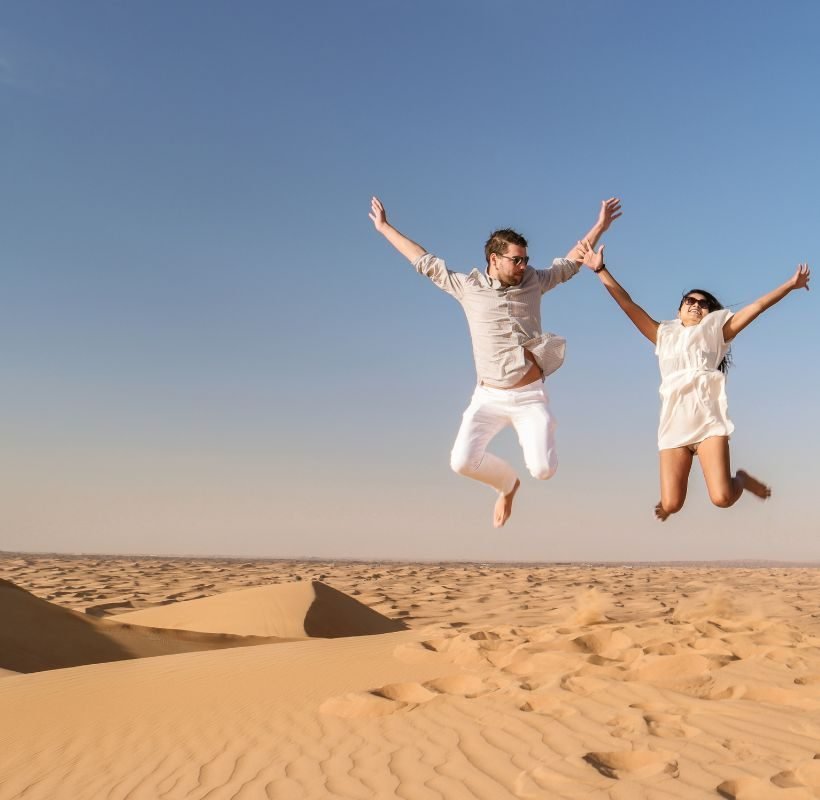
<point>494,282</point>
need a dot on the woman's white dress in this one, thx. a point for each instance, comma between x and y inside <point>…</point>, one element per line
<point>693,389</point>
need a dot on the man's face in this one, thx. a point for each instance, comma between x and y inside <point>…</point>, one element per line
<point>504,267</point>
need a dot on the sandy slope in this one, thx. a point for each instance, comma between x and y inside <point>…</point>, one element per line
<point>191,723</point>
<point>37,635</point>
<point>554,682</point>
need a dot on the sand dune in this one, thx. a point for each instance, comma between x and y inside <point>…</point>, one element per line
<point>292,610</point>
<point>37,635</point>
<point>186,725</point>
<point>542,682</point>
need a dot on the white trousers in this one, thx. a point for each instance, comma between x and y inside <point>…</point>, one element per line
<point>490,411</point>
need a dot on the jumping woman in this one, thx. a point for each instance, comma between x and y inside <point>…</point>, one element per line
<point>693,352</point>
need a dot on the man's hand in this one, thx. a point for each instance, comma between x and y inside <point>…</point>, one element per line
<point>800,279</point>
<point>610,210</point>
<point>378,214</point>
<point>407,247</point>
<point>586,254</point>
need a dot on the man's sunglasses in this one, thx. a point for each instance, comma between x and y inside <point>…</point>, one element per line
<point>517,260</point>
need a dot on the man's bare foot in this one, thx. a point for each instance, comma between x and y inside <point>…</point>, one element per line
<point>661,514</point>
<point>503,506</point>
<point>753,485</point>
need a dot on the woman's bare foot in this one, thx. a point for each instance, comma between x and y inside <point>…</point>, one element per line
<point>753,485</point>
<point>661,514</point>
<point>503,506</point>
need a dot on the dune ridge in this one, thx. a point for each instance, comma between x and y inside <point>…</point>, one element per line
<point>294,609</point>
<point>37,635</point>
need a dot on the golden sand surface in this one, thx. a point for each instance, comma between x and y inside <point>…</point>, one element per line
<point>137,677</point>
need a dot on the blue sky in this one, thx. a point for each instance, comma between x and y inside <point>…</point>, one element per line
<point>209,350</point>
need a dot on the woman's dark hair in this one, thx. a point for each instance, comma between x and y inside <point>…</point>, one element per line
<point>714,305</point>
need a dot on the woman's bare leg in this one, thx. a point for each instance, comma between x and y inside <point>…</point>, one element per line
<point>724,490</point>
<point>675,464</point>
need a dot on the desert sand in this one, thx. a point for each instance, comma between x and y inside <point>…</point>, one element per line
<point>193,678</point>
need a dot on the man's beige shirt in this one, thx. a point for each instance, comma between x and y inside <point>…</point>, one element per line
<point>503,320</point>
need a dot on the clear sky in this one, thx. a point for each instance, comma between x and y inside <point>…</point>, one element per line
<point>208,350</point>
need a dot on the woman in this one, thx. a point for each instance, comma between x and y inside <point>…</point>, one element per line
<point>692,351</point>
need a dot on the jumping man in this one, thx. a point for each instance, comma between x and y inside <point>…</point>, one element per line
<point>512,354</point>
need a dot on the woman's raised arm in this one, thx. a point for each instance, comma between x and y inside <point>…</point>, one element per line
<point>736,323</point>
<point>640,319</point>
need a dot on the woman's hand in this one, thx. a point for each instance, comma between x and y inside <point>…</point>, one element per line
<point>585,252</point>
<point>800,279</point>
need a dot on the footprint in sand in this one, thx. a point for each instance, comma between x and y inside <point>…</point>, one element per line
<point>437,645</point>
<point>519,664</point>
<point>806,775</point>
<point>583,685</point>
<point>778,634</point>
<point>608,644</point>
<point>532,783</point>
<point>686,672</point>
<point>627,726</point>
<point>358,705</point>
<point>413,652</point>
<point>807,680</point>
<point>623,660</point>
<point>541,635</point>
<point>669,726</point>
<point>634,763</point>
<point>493,644</point>
<point>793,698</point>
<point>408,693</point>
<point>741,647</point>
<point>716,648</point>
<point>786,656</point>
<point>459,685</point>
<point>505,657</point>
<point>550,706</point>
<point>454,646</point>
<point>733,692</point>
<point>742,750</point>
<point>662,649</point>
<point>483,636</point>
<point>748,788</point>
<point>658,708</point>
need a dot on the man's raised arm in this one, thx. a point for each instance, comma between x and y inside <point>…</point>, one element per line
<point>407,247</point>
<point>610,210</point>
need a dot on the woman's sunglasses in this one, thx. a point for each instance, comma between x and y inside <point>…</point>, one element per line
<point>700,302</point>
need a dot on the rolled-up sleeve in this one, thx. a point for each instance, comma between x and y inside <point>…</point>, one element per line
<point>562,270</point>
<point>436,270</point>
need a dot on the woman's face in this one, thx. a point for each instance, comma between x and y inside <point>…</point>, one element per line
<point>693,308</point>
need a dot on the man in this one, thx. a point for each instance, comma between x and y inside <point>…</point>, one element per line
<point>512,355</point>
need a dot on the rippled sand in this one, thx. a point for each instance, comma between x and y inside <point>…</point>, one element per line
<point>194,678</point>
